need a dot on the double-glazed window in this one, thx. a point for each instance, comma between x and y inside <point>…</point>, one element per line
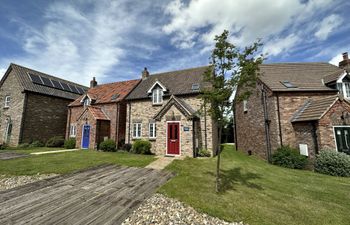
<point>152,130</point>
<point>73,130</point>
<point>157,96</point>
<point>136,132</point>
<point>7,101</point>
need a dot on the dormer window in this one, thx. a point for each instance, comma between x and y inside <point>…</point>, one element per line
<point>87,102</point>
<point>343,85</point>
<point>157,96</point>
<point>157,91</point>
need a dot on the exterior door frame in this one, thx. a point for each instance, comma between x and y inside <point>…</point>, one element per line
<point>166,139</point>
<point>335,135</point>
<point>82,135</point>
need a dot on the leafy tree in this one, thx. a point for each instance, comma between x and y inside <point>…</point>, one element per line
<point>231,68</point>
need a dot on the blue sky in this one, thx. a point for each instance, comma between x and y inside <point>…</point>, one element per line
<point>115,40</point>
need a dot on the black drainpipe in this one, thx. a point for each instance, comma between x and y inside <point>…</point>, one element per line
<point>205,127</point>
<point>314,134</point>
<point>194,137</point>
<point>129,123</point>
<point>279,119</point>
<point>267,126</point>
<point>234,125</point>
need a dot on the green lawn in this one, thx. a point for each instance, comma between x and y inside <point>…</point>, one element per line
<point>70,161</point>
<point>258,193</point>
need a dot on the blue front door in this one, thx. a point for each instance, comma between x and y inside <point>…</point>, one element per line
<point>86,136</point>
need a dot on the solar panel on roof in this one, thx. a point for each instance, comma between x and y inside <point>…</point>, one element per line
<point>288,84</point>
<point>73,88</point>
<point>81,91</point>
<point>65,86</point>
<point>57,84</point>
<point>46,81</point>
<point>35,78</point>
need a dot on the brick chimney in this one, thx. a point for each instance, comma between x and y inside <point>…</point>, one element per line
<point>93,82</point>
<point>145,74</point>
<point>345,62</point>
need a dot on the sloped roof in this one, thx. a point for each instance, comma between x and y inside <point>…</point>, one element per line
<point>181,105</point>
<point>176,82</point>
<point>108,93</point>
<point>22,74</point>
<point>304,76</point>
<point>314,109</point>
<point>97,113</point>
<point>333,77</point>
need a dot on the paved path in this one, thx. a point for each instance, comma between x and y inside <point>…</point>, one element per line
<point>103,195</point>
<point>162,162</point>
<point>12,155</point>
<point>55,151</point>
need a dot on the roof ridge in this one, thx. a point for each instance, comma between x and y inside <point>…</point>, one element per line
<point>46,74</point>
<point>116,82</point>
<point>290,63</point>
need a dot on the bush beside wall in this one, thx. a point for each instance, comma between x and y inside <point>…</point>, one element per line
<point>70,143</point>
<point>288,157</point>
<point>333,163</point>
<point>142,147</point>
<point>108,145</point>
<point>55,142</point>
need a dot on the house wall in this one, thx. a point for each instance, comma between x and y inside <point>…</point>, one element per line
<point>290,103</point>
<point>143,111</point>
<point>338,115</point>
<point>11,87</point>
<point>45,117</point>
<point>304,134</point>
<point>76,117</point>
<point>250,125</point>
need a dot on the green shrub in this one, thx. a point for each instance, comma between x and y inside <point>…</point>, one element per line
<point>108,145</point>
<point>333,163</point>
<point>70,143</point>
<point>142,147</point>
<point>288,157</point>
<point>37,144</point>
<point>3,146</point>
<point>204,153</point>
<point>55,142</point>
<point>23,146</point>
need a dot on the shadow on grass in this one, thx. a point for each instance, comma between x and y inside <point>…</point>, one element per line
<point>233,177</point>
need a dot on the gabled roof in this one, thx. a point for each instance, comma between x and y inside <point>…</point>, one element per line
<point>314,109</point>
<point>181,105</point>
<point>108,93</point>
<point>22,75</point>
<point>334,76</point>
<point>303,76</point>
<point>177,82</point>
<point>96,112</point>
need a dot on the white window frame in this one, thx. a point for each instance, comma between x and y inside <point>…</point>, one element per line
<point>87,102</point>
<point>73,130</point>
<point>137,130</point>
<point>7,101</point>
<point>157,96</point>
<point>245,106</point>
<point>346,89</point>
<point>153,132</point>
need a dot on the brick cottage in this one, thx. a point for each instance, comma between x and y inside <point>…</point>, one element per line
<point>99,114</point>
<point>34,105</point>
<point>165,109</point>
<point>304,105</point>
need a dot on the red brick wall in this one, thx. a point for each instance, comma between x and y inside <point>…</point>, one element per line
<point>330,119</point>
<point>110,110</point>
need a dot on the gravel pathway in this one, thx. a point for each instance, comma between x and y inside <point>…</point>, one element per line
<point>160,209</point>
<point>14,181</point>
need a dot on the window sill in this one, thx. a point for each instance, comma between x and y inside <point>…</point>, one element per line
<point>6,107</point>
<point>152,139</point>
<point>136,138</point>
<point>157,104</point>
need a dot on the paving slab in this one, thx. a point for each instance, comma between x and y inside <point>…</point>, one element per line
<point>55,151</point>
<point>101,195</point>
<point>162,162</point>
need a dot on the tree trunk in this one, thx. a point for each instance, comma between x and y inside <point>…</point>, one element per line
<point>218,160</point>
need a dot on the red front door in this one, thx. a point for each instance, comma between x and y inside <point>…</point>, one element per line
<point>173,139</point>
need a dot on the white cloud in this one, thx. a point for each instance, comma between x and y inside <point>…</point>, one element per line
<point>278,45</point>
<point>336,59</point>
<point>328,25</point>
<point>79,42</point>
<point>2,72</point>
<point>247,20</point>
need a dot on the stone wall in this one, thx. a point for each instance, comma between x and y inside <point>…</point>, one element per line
<point>14,112</point>
<point>143,111</point>
<point>45,117</point>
